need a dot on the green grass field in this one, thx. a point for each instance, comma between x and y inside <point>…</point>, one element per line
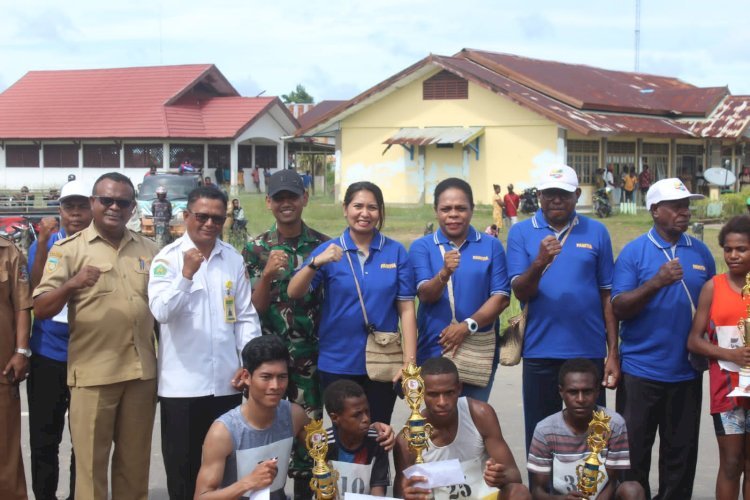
<point>405,223</point>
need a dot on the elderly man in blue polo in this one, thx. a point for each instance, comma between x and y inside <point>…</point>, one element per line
<point>658,277</point>
<point>560,264</point>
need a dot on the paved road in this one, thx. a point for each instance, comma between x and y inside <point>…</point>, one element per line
<point>506,399</point>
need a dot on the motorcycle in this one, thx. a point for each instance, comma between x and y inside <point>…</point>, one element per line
<point>19,230</point>
<point>529,201</point>
<point>601,204</point>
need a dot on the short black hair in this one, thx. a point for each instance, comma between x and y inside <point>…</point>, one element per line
<point>116,177</point>
<point>356,187</point>
<point>739,224</point>
<point>439,365</point>
<point>338,392</point>
<point>210,192</point>
<point>453,182</point>
<point>264,349</point>
<point>578,365</point>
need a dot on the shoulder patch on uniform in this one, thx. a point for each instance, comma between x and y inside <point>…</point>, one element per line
<point>52,262</point>
<point>159,270</point>
<point>23,274</point>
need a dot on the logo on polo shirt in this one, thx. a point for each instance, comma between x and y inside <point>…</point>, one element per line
<point>388,266</point>
<point>584,245</point>
<point>480,257</point>
<point>699,267</point>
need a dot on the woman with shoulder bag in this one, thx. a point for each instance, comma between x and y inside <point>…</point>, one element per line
<point>368,285</point>
<point>462,284</point>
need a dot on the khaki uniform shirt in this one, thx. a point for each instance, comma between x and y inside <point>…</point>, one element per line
<point>111,326</point>
<point>15,296</point>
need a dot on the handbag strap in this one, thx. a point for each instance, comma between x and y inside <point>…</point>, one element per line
<point>359,290</point>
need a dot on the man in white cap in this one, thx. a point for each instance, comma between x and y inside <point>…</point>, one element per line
<point>47,387</point>
<point>561,265</point>
<point>658,277</point>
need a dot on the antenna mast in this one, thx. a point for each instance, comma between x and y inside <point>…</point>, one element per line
<point>637,35</point>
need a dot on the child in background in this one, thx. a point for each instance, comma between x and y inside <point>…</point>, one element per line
<point>353,451</point>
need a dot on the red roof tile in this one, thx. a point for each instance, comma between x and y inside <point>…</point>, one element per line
<point>191,101</point>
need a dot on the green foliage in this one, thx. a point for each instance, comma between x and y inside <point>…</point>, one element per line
<point>298,95</point>
<point>732,204</point>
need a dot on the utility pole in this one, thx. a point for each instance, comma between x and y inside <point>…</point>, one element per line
<point>637,35</point>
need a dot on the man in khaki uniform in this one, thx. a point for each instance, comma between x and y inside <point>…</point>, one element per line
<point>102,274</point>
<point>15,303</point>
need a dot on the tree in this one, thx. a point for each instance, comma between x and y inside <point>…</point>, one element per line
<point>298,95</point>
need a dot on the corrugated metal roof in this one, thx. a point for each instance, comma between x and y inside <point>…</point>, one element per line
<point>730,120</point>
<point>434,135</point>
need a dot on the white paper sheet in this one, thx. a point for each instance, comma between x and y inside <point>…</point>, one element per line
<point>738,392</point>
<point>264,494</point>
<point>359,496</point>
<point>442,473</point>
<point>62,316</point>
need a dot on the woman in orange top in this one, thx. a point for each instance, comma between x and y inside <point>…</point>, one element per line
<point>721,306</point>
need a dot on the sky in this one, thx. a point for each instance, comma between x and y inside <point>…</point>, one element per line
<point>339,48</point>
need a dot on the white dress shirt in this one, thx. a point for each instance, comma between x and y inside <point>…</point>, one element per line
<point>199,352</point>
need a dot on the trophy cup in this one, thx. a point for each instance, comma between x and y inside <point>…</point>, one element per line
<point>416,431</point>
<point>744,326</point>
<point>589,473</point>
<point>323,482</point>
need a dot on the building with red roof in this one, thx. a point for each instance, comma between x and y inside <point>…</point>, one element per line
<point>86,122</point>
<point>496,118</point>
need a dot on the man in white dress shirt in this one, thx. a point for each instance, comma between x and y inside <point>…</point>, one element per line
<point>199,292</point>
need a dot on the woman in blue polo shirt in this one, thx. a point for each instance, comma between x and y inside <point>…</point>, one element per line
<point>386,280</point>
<point>475,265</point>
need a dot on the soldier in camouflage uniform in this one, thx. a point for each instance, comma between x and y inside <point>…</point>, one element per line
<point>271,259</point>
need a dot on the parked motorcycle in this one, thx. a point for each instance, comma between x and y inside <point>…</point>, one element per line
<point>529,201</point>
<point>601,204</point>
<point>19,230</point>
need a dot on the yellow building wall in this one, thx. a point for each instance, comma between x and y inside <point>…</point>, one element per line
<point>515,146</point>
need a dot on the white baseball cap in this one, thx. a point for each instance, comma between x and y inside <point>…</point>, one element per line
<point>669,190</point>
<point>558,176</point>
<point>75,188</point>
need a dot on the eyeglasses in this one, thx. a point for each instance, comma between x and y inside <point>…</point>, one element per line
<point>202,218</point>
<point>107,201</point>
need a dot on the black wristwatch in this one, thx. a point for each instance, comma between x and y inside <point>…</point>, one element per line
<point>312,265</point>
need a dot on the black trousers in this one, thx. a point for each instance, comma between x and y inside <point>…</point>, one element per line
<point>49,398</point>
<point>675,410</point>
<point>184,424</point>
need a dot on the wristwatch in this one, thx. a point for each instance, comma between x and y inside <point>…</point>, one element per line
<point>312,265</point>
<point>25,352</point>
<point>473,325</point>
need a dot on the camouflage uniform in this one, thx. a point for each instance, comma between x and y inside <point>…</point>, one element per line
<point>295,322</point>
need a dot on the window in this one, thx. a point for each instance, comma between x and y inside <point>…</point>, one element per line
<point>445,85</point>
<point>265,156</point>
<point>218,155</point>
<point>620,155</point>
<point>444,146</point>
<point>245,156</point>
<point>22,156</point>
<point>144,155</point>
<point>101,156</point>
<point>583,157</point>
<point>656,156</point>
<point>178,153</point>
<point>60,155</point>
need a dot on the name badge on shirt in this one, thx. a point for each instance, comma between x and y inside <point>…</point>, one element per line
<point>230,314</point>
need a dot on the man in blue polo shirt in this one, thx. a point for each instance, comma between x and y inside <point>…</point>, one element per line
<point>47,386</point>
<point>560,264</point>
<point>473,263</point>
<point>658,277</point>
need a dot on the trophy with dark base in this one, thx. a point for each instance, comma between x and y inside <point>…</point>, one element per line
<point>323,481</point>
<point>589,473</point>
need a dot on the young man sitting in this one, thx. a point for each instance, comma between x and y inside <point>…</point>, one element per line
<point>559,444</point>
<point>353,450</point>
<point>248,448</point>
<point>464,429</point>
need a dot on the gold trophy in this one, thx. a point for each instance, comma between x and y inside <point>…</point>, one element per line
<point>744,326</point>
<point>589,473</point>
<point>323,482</point>
<point>416,431</point>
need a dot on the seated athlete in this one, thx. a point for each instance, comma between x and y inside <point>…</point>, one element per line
<point>559,444</point>
<point>353,449</point>
<point>248,448</point>
<point>465,429</point>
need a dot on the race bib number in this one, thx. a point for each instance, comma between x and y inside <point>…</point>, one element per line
<point>564,478</point>
<point>353,478</point>
<point>473,487</point>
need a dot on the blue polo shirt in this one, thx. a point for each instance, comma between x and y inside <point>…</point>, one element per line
<point>48,338</point>
<point>653,344</point>
<point>480,274</point>
<point>565,318</point>
<point>386,276</point>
